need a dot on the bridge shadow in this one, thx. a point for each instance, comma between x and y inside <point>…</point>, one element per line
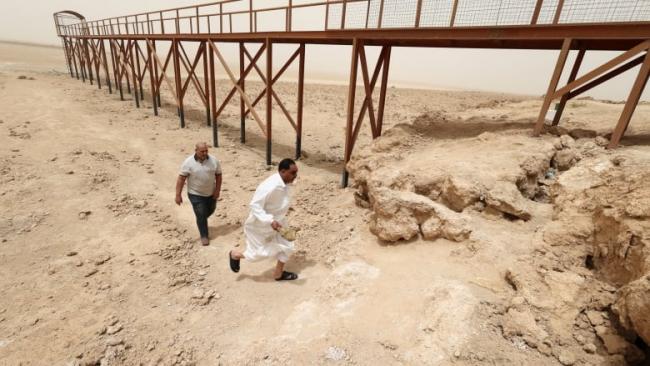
<point>636,140</point>
<point>472,127</point>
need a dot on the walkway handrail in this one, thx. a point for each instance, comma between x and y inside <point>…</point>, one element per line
<point>214,18</point>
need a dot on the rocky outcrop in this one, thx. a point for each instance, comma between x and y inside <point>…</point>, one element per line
<point>402,215</point>
<point>633,307</point>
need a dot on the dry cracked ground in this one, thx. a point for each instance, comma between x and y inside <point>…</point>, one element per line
<point>462,241</point>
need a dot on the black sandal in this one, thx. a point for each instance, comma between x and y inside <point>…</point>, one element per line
<point>234,263</point>
<point>287,276</point>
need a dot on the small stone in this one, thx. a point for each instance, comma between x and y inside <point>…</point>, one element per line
<point>589,348</point>
<point>102,259</point>
<point>618,160</point>
<point>84,215</point>
<point>198,294</point>
<point>517,301</point>
<point>614,344</point>
<point>70,172</point>
<point>114,341</point>
<point>34,321</point>
<point>91,272</point>
<point>595,317</point>
<point>114,329</point>
<point>601,141</point>
<point>140,204</point>
<point>579,338</point>
<point>71,253</point>
<point>566,358</point>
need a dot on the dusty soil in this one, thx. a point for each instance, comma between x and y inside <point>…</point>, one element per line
<point>99,266</point>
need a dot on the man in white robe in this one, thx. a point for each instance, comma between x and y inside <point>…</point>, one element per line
<point>268,210</point>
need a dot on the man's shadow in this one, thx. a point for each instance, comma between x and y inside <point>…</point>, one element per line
<point>222,230</point>
<point>297,266</point>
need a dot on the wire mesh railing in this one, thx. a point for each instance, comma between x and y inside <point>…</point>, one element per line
<point>243,16</point>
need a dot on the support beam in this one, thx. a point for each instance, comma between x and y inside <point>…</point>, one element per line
<point>135,76</point>
<point>114,57</point>
<point>548,98</point>
<point>137,65</point>
<point>382,92</point>
<point>301,89</point>
<point>108,75</point>
<point>213,100</point>
<point>572,77</point>
<point>275,95</point>
<point>235,88</point>
<point>538,8</point>
<point>177,78</point>
<point>206,81</point>
<point>621,69</point>
<point>642,47</point>
<point>350,111</point>
<point>236,85</point>
<point>632,102</point>
<point>164,74</point>
<point>269,99</point>
<point>242,86</point>
<point>277,75</point>
<point>152,79</point>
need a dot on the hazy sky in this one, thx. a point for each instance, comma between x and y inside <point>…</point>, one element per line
<point>526,72</point>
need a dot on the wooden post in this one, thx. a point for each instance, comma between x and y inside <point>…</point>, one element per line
<point>301,89</point>
<point>177,78</point>
<point>206,79</point>
<point>350,112</point>
<point>418,13</point>
<point>108,75</point>
<point>558,12</point>
<point>572,77</point>
<point>548,98</point>
<point>382,92</point>
<point>242,86</point>
<point>454,9</point>
<point>538,8</point>
<point>152,79</point>
<point>213,100</point>
<point>269,98</point>
<point>632,102</point>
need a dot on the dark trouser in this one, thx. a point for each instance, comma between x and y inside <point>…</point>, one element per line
<point>203,208</point>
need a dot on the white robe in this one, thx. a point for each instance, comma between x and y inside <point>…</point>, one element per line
<point>270,202</point>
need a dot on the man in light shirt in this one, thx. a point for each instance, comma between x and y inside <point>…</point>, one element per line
<point>202,172</point>
<point>268,210</point>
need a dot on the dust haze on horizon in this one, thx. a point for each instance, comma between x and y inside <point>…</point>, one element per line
<point>509,71</point>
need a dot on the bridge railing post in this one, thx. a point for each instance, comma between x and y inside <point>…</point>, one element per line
<point>454,9</point>
<point>558,11</point>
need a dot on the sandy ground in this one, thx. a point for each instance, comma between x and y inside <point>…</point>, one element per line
<point>98,265</point>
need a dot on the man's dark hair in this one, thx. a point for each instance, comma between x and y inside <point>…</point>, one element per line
<point>286,164</point>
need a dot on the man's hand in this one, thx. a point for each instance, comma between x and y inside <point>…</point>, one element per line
<point>276,225</point>
<point>178,199</point>
<point>215,195</point>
